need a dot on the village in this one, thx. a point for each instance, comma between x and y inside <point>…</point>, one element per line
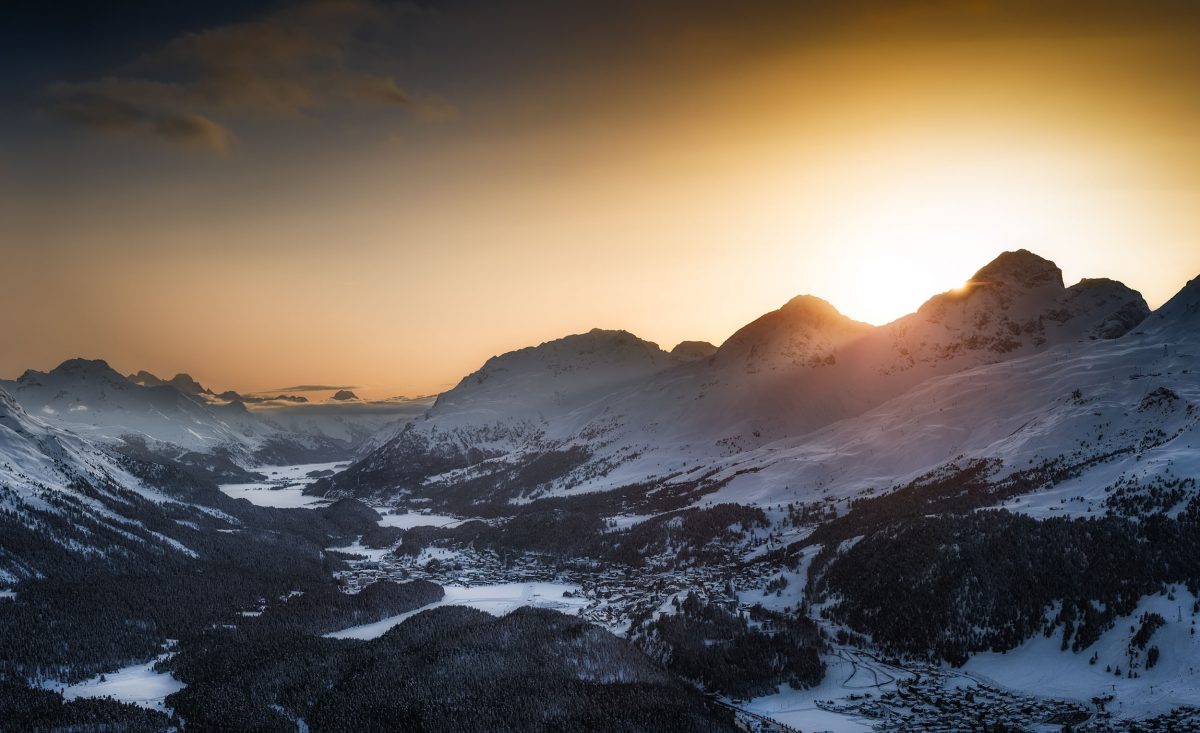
<point>617,594</point>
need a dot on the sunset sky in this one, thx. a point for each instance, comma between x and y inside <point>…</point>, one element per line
<point>386,194</point>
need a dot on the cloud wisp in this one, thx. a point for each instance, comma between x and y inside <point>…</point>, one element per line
<point>312,388</point>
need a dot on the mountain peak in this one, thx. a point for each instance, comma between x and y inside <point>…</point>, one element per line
<point>616,336</point>
<point>692,351</point>
<point>599,343</point>
<point>79,368</point>
<point>79,364</point>
<point>803,311</point>
<point>185,383</point>
<point>568,370</point>
<point>182,382</point>
<point>811,308</point>
<point>802,333</point>
<point>236,406</point>
<point>1022,268</point>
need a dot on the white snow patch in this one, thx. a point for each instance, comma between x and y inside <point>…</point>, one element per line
<point>138,684</point>
<point>625,521</point>
<point>1039,667</point>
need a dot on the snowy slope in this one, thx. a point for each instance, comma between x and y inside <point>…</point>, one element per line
<point>48,472</point>
<point>34,453</point>
<point>1040,667</point>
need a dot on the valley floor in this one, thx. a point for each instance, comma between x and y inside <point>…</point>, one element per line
<point>1034,687</point>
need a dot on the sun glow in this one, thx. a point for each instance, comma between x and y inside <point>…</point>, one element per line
<point>920,228</point>
<point>891,285</point>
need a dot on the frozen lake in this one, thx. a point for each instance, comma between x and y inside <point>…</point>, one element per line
<point>494,599</point>
<point>416,519</point>
<point>284,487</point>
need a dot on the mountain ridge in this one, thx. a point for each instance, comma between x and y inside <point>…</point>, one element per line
<point>783,375</point>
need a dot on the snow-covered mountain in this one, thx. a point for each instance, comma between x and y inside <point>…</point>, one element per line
<point>178,417</point>
<point>1121,415</point>
<point>1112,412</point>
<point>627,412</point>
<point>89,397</point>
<point>554,378</point>
<point>182,382</point>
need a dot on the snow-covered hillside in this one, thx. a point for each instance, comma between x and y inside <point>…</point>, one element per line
<point>48,472</point>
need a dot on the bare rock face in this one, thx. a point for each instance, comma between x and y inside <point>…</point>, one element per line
<point>343,395</point>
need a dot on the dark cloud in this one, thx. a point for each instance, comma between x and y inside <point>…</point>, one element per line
<point>194,130</point>
<point>298,61</point>
<point>96,110</point>
<point>322,59</point>
<point>102,112</point>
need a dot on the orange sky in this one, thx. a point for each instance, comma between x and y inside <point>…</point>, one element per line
<point>676,175</point>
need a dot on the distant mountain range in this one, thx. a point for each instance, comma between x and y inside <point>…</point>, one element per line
<point>183,420</point>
